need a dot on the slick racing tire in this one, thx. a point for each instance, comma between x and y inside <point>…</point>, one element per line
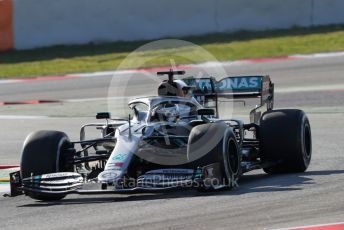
<point>215,143</point>
<point>42,154</point>
<point>285,141</point>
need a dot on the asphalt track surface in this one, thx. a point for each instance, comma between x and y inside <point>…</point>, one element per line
<point>261,201</point>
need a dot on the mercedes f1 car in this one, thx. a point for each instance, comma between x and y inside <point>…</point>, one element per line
<point>175,140</point>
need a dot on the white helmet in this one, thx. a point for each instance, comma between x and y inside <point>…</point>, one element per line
<point>178,88</point>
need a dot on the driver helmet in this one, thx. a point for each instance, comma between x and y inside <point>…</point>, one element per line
<point>179,88</point>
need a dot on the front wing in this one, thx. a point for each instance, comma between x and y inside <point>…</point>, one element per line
<point>161,180</point>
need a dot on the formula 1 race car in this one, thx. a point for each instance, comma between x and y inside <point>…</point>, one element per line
<point>173,141</point>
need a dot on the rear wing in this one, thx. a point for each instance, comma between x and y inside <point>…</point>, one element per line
<point>207,91</point>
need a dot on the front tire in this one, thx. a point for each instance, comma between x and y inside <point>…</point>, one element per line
<point>285,141</point>
<point>43,153</point>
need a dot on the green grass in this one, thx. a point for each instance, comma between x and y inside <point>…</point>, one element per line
<point>224,46</point>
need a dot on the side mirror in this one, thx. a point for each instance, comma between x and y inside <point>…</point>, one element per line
<point>206,112</point>
<point>103,115</point>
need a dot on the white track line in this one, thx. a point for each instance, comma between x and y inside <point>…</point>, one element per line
<point>94,99</point>
<point>105,73</point>
<point>318,55</point>
<point>102,98</point>
<point>10,81</point>
<point>21,117</point>
<point>338,87</point>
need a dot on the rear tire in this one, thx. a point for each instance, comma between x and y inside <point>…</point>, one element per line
<point>221,148</point>
<point>285,141</point>
<point>43,153</point>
